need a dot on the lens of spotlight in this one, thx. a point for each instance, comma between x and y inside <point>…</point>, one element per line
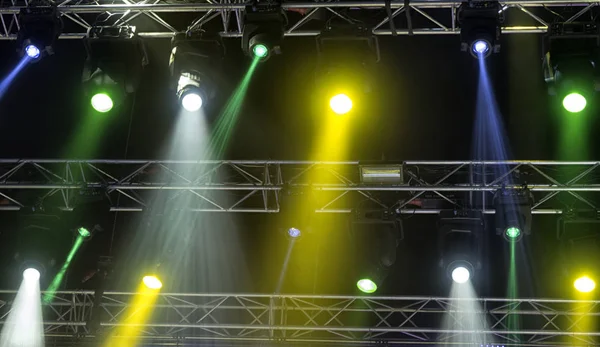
<point>260,50</point>
<point>191,101</point>
<point>32,51</point>
<point>102,102</point>
<point>31,274</point>
<point>480,47</point>
<point>366,285</point>
<point>512,232</point>
<point>340,104</point>
<point>84,232</point>
<point>461,274</point>
<point>584,284</point>
<point>152,282</point>
<point>293,232</point>
<point>574,102</point>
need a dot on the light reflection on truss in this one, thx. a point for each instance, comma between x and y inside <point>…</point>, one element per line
<point>255,186</point>
<point>325,319</point>
<point>438,16</point>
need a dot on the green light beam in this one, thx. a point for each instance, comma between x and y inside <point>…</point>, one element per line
<point>228,117</point>
<point>49,295</point>
<point>512,290</point>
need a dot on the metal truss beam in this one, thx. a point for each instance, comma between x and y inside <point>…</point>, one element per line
<point>438,16</point>
<point>349,320</point>
<point>255,186</point>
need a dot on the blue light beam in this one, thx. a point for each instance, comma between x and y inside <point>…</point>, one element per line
<point>7,81</point>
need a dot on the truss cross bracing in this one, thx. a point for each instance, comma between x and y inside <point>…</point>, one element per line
<point>256,186</point>
<point>226,16</point>
<point>327,319</point>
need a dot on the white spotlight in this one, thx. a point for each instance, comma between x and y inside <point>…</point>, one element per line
<point>31,274</point>
<point>191,101</point>
<point>461,274</point>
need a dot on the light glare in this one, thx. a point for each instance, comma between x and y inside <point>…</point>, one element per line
<point>513,232</point>
<point>31,274</point>
<point>102,102</point>
<point>32,51</point>
<point>461,274</point>
<point>260,50</point>
<point>480,47</point>
<point>191,102</point>
<point>574,102</point>
<point>152,282</point>
<point>366,285</point>
<point>294,232</point>
<point>340,104</point>
<point>585,284</point>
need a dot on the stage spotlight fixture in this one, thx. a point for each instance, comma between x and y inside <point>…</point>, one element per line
<point>460,243</point>
<point>84,232</point>
<point>584,284</point>
<point>40,27</point>
<point>366,285</point>
<point>381,173</point>
<point>116,58</point>
<point>571,63</point>
<point>340,104</point>
<point>194,59</point>
<point>480,23</point>
<point>513,213</point>
<point>31,274</point>
<point>263,30</point>
<point>152,282</point>
<point>294,233</point>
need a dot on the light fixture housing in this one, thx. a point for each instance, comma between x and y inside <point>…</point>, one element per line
<point>460,243</point>
<point>571,60</point>
<point>263,30</point>
<point>40,27</point>
<point>480,27</point>
<point>513,213</point>
<point>381,173</point>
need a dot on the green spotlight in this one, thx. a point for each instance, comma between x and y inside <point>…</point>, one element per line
<point>260,50</point>
<point>102,102</point>
<point>366,285</point>
<point>574,102</point>
<point>84,232</point>
<point>513,232</point>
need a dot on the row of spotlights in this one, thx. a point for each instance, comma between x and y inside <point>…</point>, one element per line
<point>150,281</point>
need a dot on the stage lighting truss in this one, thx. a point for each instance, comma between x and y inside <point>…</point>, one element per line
<point>116,58</point>
<point>480,29</point>
<point>572,52</point>
<point>40,28</point>
<point>513,213</point>
<point>460,243</point>
<point>263,30</point>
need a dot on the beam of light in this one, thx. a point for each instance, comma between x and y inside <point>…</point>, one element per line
<point>512,290</point>
<point>7,81</point>
<point>229,116</point>
<point>340,104</point>
<point>284,267</point>
<point>55,284</point>
<point>102,102</point>
<point>366,285</point>
<point>139,311</point>
<point>584,284</point>
<point>24,325</point>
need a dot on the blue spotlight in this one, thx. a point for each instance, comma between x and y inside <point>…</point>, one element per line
<point>294,233</point>
<point>32,51</point>
<point>480,47</point>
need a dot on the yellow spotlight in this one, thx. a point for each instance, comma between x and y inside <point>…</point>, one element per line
<point>340,104</point>
<point>585,284</point>
<point>152,282</point>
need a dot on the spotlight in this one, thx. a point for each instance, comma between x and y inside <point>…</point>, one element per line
<point>340,104</point>
<point>513,213</point>
<point>571,63</point>
<point>152,282</point>
<point>584,284</point>
<point>194,61</point>
<point>480,27</point>
<point>102,102</point>
<point>263,30</point>
<point>40,27</point>
<point>116,58</point>
<point>366,285</point>
<point>84,232</point>
<point>460,243</point>
<point>31,274</point>
<point>294,233</point>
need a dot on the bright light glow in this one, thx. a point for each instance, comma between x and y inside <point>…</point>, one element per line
<point>366,285</point>
<point>191,102</point>
<point>102,102</point>
<point>152,282</point>
<point>513,232</point>
<point>584,284</point>
<point>23,327</point>
<point>340,104</point>
<point>293,232</point>
<point>461,274</point>
<point>84,232</point>
<point>480,47</point>
<point>32,51</point>
<point>31,274</point>
<point>260,50</point>
<point>574,102</point>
